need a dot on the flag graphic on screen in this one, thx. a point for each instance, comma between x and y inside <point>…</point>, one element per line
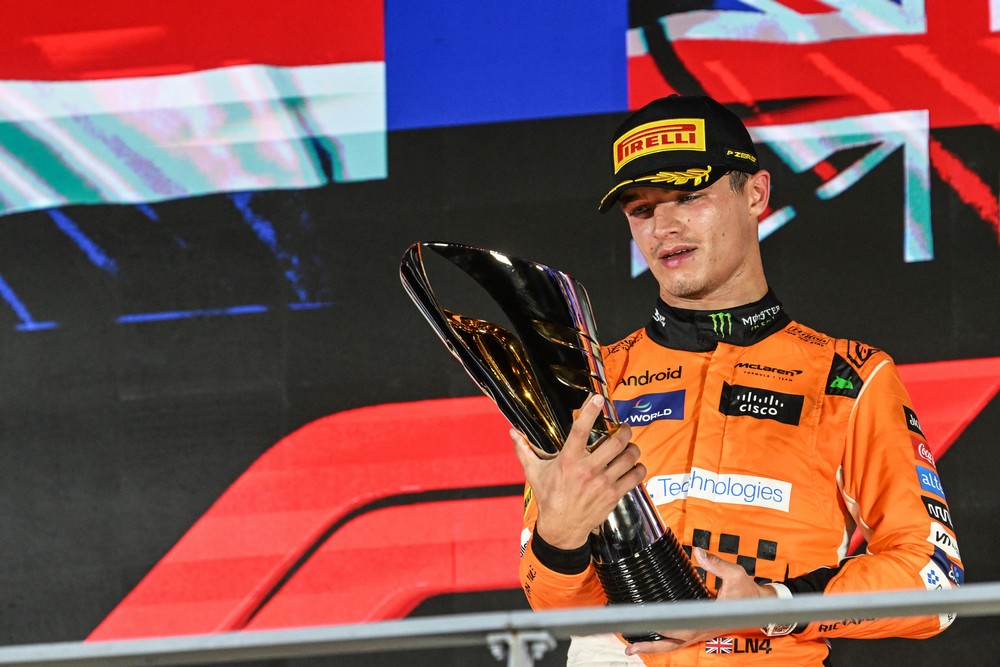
<point>140,104</point>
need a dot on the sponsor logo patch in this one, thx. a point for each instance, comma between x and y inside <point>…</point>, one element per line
<point>843,380</point>
<point>742,401</point>
<point>935,580</point>
<point>721,488</point>
<point>647,377</point>
<point>740,154</point>
<point>719,645</point>
<point>955,574</point>
<point>938,510</point>
<point>830,627</point>
<point>674,134</point>
<point>649,408</point>
<point>625,344</point>
<point>933,577</point>
<point>807,336</point>
<point>929,481</point>
<point>859,353</point>
<point>768,371</point>
<point>922,452</point>
<point>722,324</point>
<point>736,645</point>
<point>530,578</point>
<point>841,383</point>
<point>912,422</point>
<point>763,318</point>
<point>942,539</point>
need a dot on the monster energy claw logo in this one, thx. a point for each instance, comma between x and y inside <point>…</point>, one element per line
<point>722,324</point>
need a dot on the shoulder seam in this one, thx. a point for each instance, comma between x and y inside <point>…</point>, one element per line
<point>864,387</point>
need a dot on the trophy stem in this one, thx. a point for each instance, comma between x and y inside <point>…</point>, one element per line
<point>639,560</point>
<point>656,574</point>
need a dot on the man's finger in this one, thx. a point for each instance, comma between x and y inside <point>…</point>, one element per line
<point>612,446</point>
<point>736,582</point>
<point>525,454</point>
<point>665,645</point>
<point>713,564</point>
<point>631,479</point>
<point>624,461</point>
<point>579,433</point>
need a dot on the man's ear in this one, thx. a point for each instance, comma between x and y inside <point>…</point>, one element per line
<point>759,192</point>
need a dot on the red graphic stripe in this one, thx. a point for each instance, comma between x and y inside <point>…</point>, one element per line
<point>849,83</point>
<point>71,40</point>
<point>217,575</point>
<point>947,396</point>
<point>970,188</point>
<point>385,563</point>
<point>823,169</point>
<point>960,89</point>
<point>807,6</point>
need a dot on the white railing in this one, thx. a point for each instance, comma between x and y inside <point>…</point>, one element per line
<point>519,637</point>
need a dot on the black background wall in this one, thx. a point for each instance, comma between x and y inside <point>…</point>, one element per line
<point>116,434</point>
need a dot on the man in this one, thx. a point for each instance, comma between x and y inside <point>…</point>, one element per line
<point>769,442</point>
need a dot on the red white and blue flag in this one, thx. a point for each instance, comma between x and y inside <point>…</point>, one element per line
<point>144,102</point>
<point>719,645</point>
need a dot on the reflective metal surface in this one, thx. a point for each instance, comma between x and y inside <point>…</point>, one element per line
<point>538,375</point>
<point>543,370</point>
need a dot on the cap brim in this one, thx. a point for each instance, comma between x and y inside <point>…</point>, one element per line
<point>679,178</point>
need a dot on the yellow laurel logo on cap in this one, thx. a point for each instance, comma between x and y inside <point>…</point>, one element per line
<point>696,174</point>
<point>674,134</point>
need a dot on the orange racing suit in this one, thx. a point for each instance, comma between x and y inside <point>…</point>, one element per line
<point>768,443</point>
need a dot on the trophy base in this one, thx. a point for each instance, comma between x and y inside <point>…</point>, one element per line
<point>661,572</point>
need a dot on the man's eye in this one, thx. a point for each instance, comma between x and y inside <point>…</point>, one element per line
<point>687,198</point>
<point>638,210</point>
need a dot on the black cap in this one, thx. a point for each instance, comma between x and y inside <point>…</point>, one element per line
<point>679,143</point>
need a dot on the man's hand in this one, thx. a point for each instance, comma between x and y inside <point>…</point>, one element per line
<point>576,490</point>
<point>735,584</point>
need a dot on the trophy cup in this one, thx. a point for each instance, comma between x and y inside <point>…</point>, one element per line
<point>538,375</point>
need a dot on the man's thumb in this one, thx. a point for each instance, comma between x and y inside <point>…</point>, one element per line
<point>520,445</point>
<point>710,562</point>
<point>530,453</point>
<point>525,453</point>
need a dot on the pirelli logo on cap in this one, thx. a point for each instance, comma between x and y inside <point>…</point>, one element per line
<point>675,134</point>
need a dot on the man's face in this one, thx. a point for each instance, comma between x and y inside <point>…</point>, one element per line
<point>701,246</point>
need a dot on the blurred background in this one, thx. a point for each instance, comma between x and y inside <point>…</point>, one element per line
<point>219,409</point>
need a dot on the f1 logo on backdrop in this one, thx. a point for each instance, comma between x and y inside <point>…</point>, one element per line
<point>320,530</point>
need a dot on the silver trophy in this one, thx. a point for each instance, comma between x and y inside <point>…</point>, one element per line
<point>538,375</point>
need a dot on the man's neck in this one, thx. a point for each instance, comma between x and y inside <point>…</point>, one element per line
<point>702,329</point>
<point>718,300</point>
<point>746,285</point>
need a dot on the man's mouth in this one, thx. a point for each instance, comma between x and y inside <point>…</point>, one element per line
<point>675,253</point>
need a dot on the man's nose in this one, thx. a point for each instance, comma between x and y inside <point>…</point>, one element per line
<point>665,221</point>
